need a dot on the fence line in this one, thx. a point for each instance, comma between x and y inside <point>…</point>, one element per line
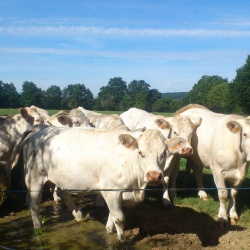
<point>126,190</point>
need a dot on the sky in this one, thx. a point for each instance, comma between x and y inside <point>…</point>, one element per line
<point>168,44</point>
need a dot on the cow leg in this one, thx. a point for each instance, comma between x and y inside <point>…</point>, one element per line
<point>198,173</point>
<point>33,200</point>
<point>232,206</point>
<point>116,216</point>
<point>167,173</point>
<point>166,199</point>
<point>223,198</point>
<point>174,175</point>
<point>69,202</point>
<point>55,196</point>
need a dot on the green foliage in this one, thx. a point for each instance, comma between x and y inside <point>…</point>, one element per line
<point>53,98</point>
<point>241,87</point>
<point>8,95</point>
<point>200,92</point>
<point>31,95</point>
<point>133,90</point>
<point>77,95</point>
<point>174,95</point>
<point>218,98</point>
<point>110,96</point>
<point>162,105</point>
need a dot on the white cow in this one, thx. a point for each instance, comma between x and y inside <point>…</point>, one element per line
<point>103,121</point>
<point>90,161</point>
<point>74,118</point>
<point>178,126</point>
<point>11,128</point>
<point>221,142</point>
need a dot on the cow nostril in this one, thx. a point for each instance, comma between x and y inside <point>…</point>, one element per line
<point>154,176</point>
<point>187,151</point>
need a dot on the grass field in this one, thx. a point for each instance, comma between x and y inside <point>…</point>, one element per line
<point>188,197</point>
<point>52,112</point>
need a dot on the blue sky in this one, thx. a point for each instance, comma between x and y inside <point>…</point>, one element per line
<point>169,44</point>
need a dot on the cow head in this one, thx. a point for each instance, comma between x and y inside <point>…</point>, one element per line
<point>184,128</point>
<point>31,115</point>
<point>150,148</point>
<point>78,119</point>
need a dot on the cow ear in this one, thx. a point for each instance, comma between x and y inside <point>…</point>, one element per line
<point>63,119</point>
<point>163,124</point>
<point>174,145</point>
<point>24,113</point>
<point>196,121</point>
<point>128,141</point>
<point>234,126</point>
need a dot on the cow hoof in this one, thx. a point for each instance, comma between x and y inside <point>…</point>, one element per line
<point>203,195</point>
<point>234,221</point>
<point>77,215</point>
<point>223,223</point>
<point>110,230</point>
<point>168,204</point>
<point>122,239</point>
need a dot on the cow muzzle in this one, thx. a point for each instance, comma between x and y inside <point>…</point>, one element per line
<point>187,151</point>
<point>154,178</point>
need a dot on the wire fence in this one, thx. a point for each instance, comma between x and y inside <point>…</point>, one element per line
<point>126,190</point>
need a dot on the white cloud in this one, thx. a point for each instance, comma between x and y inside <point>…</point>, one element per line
<point>156,55</point>
<point>113,31</point>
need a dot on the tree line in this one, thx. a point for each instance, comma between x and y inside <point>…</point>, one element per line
<point>214,92</point>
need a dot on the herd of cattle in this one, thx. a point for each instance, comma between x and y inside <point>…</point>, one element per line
<point>118,156</point>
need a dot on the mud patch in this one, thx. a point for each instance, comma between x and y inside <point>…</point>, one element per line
<point>148,226</point>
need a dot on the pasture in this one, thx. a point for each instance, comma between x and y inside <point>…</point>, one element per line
<point>190,224</point>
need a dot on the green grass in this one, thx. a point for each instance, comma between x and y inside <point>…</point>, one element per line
<point>9,111</point>
<point>54,111</point>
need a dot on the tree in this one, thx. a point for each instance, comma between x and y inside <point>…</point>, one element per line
<point>240,89</point>
<point>162,105</point>
<point>8,95</point>
<point>200,91</point>
<point>30,95</point>
<point>53,97</point>
<point>75,95</point>
<point>110,96</point>
<point>133,90</point>
<point>141,101</point>
<point>218,98</point>
<point>146,98</point>
<point>153,96</point>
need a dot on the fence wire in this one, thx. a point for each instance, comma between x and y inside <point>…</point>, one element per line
<point>125,190</point>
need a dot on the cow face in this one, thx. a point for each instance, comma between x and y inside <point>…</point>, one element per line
<point>78,119</point>
<point>150,148</point>
<point>31,115</point>
<point>184,128</point>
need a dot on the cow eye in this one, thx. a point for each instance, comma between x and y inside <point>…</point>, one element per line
<point>141,154</point>
<point>175,133</point>
<point>245,135</point>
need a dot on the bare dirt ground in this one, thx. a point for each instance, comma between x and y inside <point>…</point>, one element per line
<point>148,226</point>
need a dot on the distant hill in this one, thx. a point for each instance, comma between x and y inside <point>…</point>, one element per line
<point>174,95</point>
